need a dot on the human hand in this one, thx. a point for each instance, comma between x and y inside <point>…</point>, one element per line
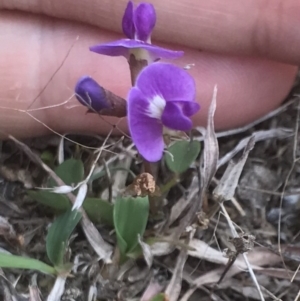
<point>237,40</point>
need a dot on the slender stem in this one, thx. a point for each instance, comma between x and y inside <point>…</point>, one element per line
<point>172,182</point>
<point>136,66</point>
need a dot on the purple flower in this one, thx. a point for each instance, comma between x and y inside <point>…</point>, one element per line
<point>163,96</point>
<point>137,25</point>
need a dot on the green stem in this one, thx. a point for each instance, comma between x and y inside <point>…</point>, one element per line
<point>171,183</point>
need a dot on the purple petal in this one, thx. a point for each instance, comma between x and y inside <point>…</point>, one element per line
<point>173,118</point>
<point>122,47</point>
<point>127,21</point>
<point>91,94</point>
<point>168,81</point>
<point>115,48</point>
<point>144,19</point>
<point>189,108</point>
<point>146,132</point>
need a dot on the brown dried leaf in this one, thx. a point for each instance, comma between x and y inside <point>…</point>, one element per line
<point>143,185</point>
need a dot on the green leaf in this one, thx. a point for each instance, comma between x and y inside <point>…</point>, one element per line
<point>130,219</point>
<point>18,262</point>
<point>70,171</point>
<point>58,236</point>
<point>58,202</point>
<point>181,155</point>
<point>48,158</point>
<point>159,297</point>
<point>99,211</point>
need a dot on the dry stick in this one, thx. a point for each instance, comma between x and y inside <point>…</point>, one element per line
<point>90,230</point>
<point>296,272</point>
<point>235,234</point>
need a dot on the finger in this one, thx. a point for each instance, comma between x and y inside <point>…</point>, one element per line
<point>250,27</point>
<point>32,49</point>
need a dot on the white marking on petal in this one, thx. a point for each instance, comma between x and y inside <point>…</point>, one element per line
<point>156,107</point>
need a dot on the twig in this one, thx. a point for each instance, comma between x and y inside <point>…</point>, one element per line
<point>235,234</point>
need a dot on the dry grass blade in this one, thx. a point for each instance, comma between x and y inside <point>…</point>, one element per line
<point>211,147</point>
<point>184,202</point>
<point>103,249</point>
<point>174,288</point>
<point>226,187</point>
<point>151,291</point>
<point>58,289</point>
<point>298,296</point>
<point>34,292</point>
<point>148,256</point>
<point>296,273</point>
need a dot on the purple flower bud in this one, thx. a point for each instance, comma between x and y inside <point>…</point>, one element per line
<point>127,21</point>
<point>163,96</point>
<point>97,99</point>
<point>139,23</point>
<point>91,94</point>
<point>144,19</point>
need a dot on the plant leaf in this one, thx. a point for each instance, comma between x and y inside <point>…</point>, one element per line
<point>159,297</point>
<point>181,155</point>
<point>19,262</point>
<point>56,201</point>
<point>70,171</point>
<point>58,236</point>
<point>130,219</point>
<point>98,210</point>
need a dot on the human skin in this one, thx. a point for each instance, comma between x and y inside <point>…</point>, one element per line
<point>249,49</point>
